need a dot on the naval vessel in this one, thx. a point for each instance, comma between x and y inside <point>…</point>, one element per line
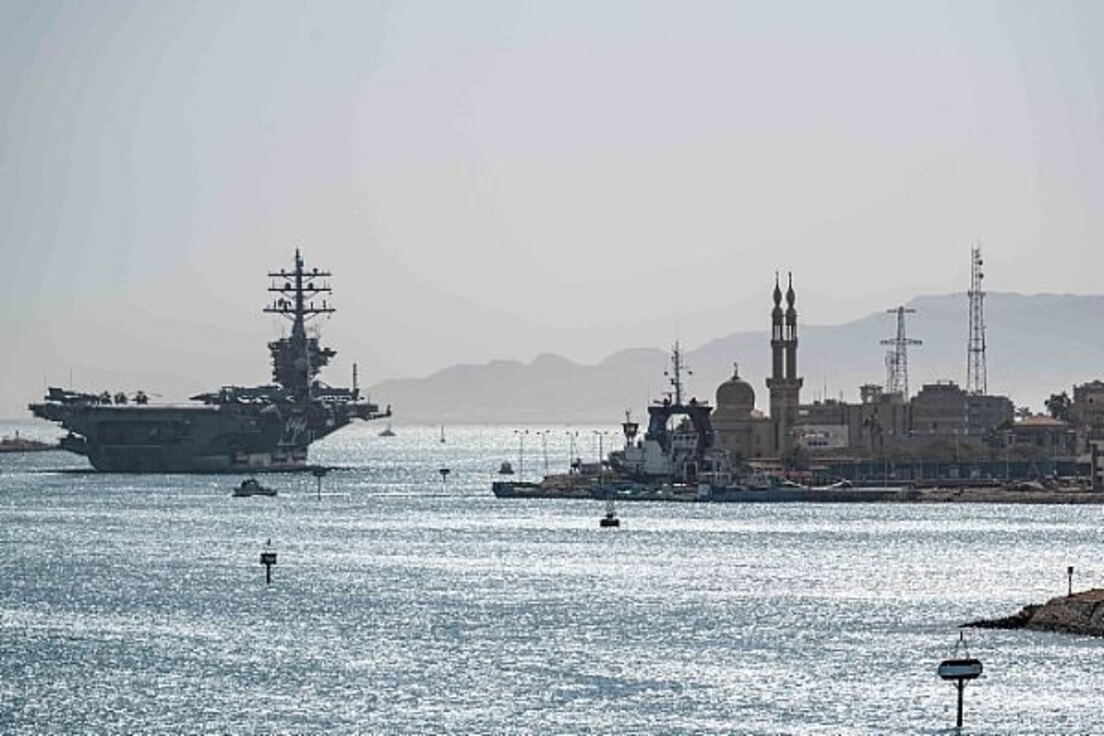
<point>235,428</point>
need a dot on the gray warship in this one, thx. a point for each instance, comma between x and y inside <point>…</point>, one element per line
<point>233,429</point>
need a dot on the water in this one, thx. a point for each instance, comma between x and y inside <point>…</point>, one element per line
<point>404,604</point>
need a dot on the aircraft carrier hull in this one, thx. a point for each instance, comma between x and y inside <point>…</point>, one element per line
<point>186,439</point>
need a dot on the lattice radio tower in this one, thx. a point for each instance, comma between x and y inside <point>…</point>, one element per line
<point>897,358</point>
<point>975,348</point>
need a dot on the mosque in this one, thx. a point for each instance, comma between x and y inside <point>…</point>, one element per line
<point>742,430</point>
<point>941,417</point>
<point>943,430</point>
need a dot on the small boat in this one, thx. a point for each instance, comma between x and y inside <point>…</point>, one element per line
<point>253,487</point>
<point>387,432</point>
<point>506,468</point>
<point>22,444</point>
<point>610,519</point>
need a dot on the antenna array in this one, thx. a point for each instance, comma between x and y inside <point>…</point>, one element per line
<point>975,348</point>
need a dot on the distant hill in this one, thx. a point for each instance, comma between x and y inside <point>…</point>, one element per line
<point>1036,345</point>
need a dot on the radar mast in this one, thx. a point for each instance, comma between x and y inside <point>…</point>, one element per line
<point>299,294</point>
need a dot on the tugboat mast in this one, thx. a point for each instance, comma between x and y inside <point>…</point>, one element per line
<point>676,369</point>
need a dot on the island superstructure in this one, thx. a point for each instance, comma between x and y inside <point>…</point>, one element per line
<point>235,428</point>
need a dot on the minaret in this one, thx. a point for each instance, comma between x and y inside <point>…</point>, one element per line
<point>791,333</point>
<point>777,342</point>
<point>784,383</point>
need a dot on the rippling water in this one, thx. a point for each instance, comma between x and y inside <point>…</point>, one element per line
<point>401,603</point>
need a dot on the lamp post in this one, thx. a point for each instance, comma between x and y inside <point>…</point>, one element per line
<point>571,450</point>
<point>601,435</point>
<point>521,451</point>
<point>544,447</point>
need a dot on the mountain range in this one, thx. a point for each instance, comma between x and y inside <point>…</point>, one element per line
<point>1036,345</point>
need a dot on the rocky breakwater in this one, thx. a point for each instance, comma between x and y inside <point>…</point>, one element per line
<point>1080,613</point>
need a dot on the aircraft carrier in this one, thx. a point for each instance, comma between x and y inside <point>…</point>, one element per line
<point>235,428</point>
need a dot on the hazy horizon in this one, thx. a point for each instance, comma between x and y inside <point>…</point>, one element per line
<point>491,180</point>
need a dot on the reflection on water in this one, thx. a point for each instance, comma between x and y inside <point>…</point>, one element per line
<point>404,603</point>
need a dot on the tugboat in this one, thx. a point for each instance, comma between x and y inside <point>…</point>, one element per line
<point>674,458</point>
<point>678,443</point>
<point>235,428</point>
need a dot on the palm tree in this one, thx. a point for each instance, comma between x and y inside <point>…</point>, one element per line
<point>1058,405</point>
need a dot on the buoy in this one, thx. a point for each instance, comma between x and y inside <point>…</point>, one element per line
<point>320,473</point>
<point>268,559</point>
<point>610,519</point>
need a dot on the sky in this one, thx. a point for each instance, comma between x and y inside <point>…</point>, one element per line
<point>497,180</point>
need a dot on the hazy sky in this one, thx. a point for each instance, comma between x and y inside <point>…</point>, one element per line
<point>497,180</point>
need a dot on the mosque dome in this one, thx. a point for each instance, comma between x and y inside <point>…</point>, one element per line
<point>736,395</point>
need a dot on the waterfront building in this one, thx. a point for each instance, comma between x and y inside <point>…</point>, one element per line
<point>939,411</point>
<point>1039,436</point>
<point>878,421</point>
<point>1086,412</point>
<point>881,420</point>
<point>985,413</point>
<point>822,437</point>
<point>941,421</point>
